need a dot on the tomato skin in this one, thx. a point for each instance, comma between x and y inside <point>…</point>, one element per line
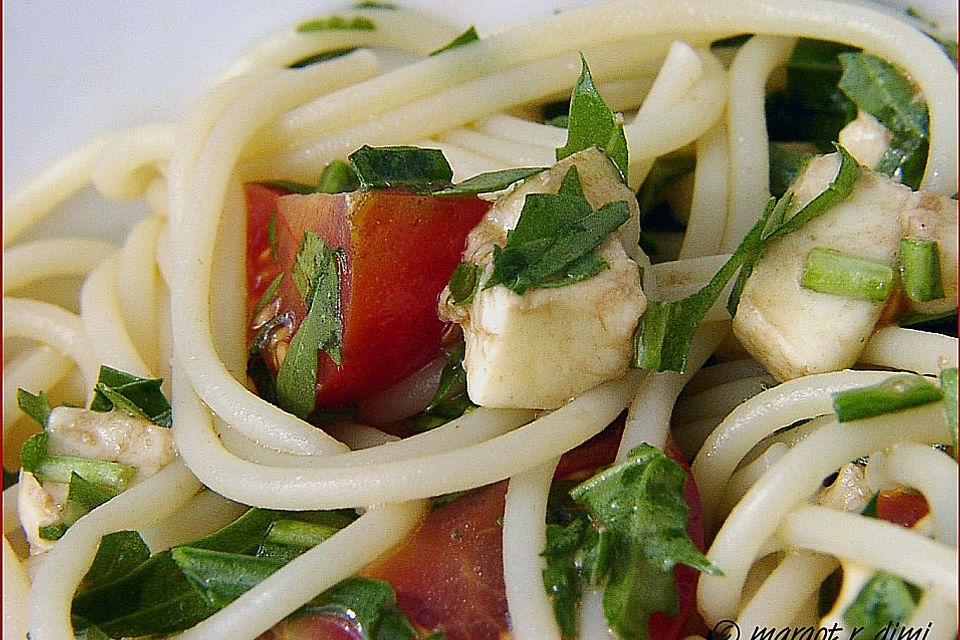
<point>262,268</point>
<point>901,507</point>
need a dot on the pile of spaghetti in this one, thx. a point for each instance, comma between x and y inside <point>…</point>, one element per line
<point>828,490</point>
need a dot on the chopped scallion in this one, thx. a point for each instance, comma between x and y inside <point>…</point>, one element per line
<point>920,269</point>
<point>894,394</point>
<point>831,271</point>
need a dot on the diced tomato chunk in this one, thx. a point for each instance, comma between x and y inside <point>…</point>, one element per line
<point>399,251</point>
<point>901,507</point>
<point>262,268</point>
<point>319,627</point>
<point>449,574</point>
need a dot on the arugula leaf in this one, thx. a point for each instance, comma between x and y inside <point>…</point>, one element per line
<point>489,182</point>
<point>316,275</point>
<point>468,36</point>
<point>632,536</point>
<point>156,597</point>
<point>593,123</point>
<point>119,553</point>
<point>369,602</point>
<point>36,407</point>
<point>896,393</point>
<point>552,244</point>
<point>785,167</point>
<point>411,167</point>
<point>664,171</point>
<point>139,396</point>
<point>948,383</point>
<point>810,108</point>
<point>82,498</point>
<point>287,539</point>
<point>448,403</point>
<point>334,22</point>
<point>878,88</point>
<point>222,577</point>
<point>33,451</point>
<point>883,600</point>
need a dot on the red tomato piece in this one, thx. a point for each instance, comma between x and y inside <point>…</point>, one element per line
<point>449,574</point>
<point>901,507</point>
<point>400,249</point>
<point>262,268</point>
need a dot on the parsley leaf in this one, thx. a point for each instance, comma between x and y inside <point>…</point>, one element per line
<point>316,275</point>
<point>552,244</point>
<point>883,600</point>
<point>410,167</point>
<point>631,538</point>
<point>489,182</point>
<point>139,396</point>
<point>878,88</point>
<point>468,36</point>
<point>592,123</point>
<point>36,407</point>
<point>322,56</point>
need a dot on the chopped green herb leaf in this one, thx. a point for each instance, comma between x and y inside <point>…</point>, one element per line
<point>893,394</point>
<point>633,537</point>
<point>155,597</point>
<point>411,167</point>
<point>593,123</point>
<point>272,235</point>
<point>287,539</point>
<point>289,185</point>
<point>561,121</point>
<point>139,396</point>
<point>464,282</point>
<point>119,553</point>
<point>920,269</point>
<point>885,599</point>
<point>33,451</point>
<point>785,167</point>
<point>468,36</point>
<point>664,171</point>
<point>831,271</point>
<point>268,295</point>
<point>371,603</point>
<point>36,407</point>
<point>331,23</point>
<point>489,182</point>
<point>222,577</point>
<point>322,56</point>
<point>337,177</point>
<point>316,275</point>
<point>878,88</point>
<point>948,384</point>
<point>810,108</point>
<point>450,400</point>
<point>553,241</point>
